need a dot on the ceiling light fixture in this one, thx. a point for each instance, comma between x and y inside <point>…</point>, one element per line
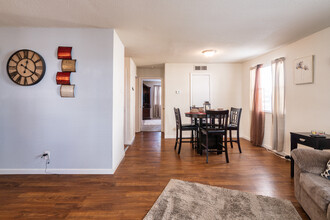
<point>209,53</point>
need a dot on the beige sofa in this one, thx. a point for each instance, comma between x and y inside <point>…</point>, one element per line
<point>311,190</point>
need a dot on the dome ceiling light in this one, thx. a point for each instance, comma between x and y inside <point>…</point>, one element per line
<point>209,53</point>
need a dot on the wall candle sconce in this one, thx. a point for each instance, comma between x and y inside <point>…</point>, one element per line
<point>63,78</point>
<point>64,53</point>
<point>69,65</point>
<point>67,91</point>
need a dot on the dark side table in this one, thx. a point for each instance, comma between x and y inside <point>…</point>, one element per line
<point>304,138</point>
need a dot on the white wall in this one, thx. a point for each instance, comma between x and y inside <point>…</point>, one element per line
<point>147,73</point>
<point>77,131</point>
<point>130,74</point>
<point>150,72</point>
<point>225,89</point>
<point>118,102</point>
<point>307,106</point>
<point>133,76</point>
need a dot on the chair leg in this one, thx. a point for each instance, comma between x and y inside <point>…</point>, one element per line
<point>180,141</point>
<point>221,143</point>
<point>226,149</point>
<point>192,138</point>
<point>176,138</point>
<point>196,135</point>
<point>199,140</point>
<point>238,142</point>
<point>207,149</point>
<point>219,148</point>
<point>231,139</point>
<point>195,139</point>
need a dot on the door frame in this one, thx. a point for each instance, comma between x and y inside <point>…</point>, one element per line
<point>140,101</point>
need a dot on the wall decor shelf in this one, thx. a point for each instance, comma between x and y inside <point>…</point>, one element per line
<point>68,65</point>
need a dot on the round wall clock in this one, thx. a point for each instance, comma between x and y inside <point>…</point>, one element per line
<point>26,67</point>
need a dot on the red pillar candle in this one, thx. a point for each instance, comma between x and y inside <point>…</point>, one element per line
<point>64,53</point>
<point>63,78</point>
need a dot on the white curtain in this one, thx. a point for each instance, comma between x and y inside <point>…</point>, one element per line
<point>157,101</point>
<point>278,105</point>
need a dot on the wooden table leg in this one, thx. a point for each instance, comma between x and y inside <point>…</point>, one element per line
<point>199,147</point>
<point>293,146</point>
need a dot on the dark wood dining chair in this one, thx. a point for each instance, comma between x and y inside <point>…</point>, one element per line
<point>194,122</point>
<point>234,121</point>
<point>214,134</point>
<point>183,127</point>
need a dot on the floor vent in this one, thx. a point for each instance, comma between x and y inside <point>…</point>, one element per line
<point>200,67</point>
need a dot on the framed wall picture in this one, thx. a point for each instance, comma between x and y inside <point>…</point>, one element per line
<point>304,70</point>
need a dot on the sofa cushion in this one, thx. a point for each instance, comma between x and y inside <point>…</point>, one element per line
<point>317,187</point>
<point>310,160</point>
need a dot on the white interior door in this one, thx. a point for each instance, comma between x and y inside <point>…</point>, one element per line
<point>200,89</point>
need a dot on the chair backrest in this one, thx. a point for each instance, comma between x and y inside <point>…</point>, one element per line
<point>235,116</point>
<point>177,117</point>
<point>217,120</point>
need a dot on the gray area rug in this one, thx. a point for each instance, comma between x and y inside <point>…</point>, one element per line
<point>187,200</point>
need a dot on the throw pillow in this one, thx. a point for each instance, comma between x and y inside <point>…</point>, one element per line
<point>326,173</point>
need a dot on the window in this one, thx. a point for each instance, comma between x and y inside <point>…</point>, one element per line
<point>265,85</point>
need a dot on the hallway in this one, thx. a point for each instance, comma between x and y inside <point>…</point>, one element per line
<point>146,169</point>
<point>151,125</point>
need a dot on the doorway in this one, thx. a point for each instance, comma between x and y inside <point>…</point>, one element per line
<point>151,105</point>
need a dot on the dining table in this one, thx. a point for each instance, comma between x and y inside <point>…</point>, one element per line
<point>197,118</point>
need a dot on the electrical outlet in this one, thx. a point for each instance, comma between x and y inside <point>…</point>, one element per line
<point>47,155</point>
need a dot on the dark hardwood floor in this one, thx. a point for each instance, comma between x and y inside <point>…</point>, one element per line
<point>146,169</point>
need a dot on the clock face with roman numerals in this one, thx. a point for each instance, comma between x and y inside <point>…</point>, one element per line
<point>26,67</point>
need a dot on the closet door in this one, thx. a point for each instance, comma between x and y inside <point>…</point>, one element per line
<point>200,89</point>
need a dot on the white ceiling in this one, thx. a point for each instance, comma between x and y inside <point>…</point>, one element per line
<point>160,31</point>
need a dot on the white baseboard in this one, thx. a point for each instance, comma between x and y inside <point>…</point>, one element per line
<point>126,148</point>
<point>169,136</point>
<point>61,171</point>
<point>267,146</point>
<point>56,171</point>
<point>173,136</point>
<point>117,165</point>
<point>245,137</point>
<point>130,142</point>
